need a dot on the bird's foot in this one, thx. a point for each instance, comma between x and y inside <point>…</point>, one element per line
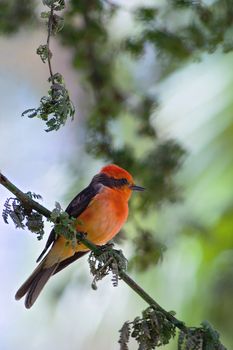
<point>80,236</point>
<point>106,247</point>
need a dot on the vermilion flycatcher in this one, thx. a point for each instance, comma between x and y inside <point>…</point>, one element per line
<point>101,210</point>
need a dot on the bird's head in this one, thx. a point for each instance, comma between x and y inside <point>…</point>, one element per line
<point>118,178</point>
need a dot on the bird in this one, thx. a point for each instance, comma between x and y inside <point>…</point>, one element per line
<point>101,209</point>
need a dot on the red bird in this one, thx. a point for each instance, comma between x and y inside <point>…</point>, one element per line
<point>101,210</point>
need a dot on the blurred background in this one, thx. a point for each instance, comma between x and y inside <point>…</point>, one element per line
<point>152,83</point>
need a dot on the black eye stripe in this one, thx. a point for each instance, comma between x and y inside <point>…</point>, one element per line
<point>120,182</point>
<point>109,181</point>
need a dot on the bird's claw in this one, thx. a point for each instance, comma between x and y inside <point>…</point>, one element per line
<point>106,247</point>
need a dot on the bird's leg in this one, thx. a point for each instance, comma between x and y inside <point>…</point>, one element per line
<point>106,247</point>
<point>80,236</point>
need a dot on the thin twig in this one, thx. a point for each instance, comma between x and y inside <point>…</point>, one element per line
<point>29,202</point>
<point>50,23</point>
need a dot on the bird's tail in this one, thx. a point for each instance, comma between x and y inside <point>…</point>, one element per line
<point>35,283</point>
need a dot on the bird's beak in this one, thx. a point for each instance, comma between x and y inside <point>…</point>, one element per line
<point>137,188</point>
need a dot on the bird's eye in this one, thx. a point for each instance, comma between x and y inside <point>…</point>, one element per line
<point>124,181</point>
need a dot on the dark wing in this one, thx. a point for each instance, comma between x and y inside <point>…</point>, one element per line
<point>75,208</point>
<point>81,201</point>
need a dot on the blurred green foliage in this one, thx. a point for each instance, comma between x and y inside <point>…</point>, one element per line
<point>146,242</point>
<point>14,14</point>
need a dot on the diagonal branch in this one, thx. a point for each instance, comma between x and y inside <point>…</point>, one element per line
<point>32,204</point>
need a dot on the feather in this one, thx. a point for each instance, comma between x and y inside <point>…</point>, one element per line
<point>35,283</point>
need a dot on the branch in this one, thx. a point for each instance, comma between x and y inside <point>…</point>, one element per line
<point>157,325</point>
<point>50,23</point>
